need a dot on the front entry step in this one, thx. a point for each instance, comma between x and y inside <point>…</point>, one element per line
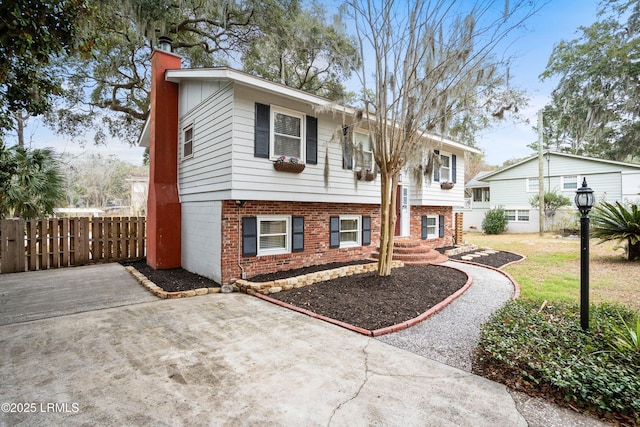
<point>414,252</point>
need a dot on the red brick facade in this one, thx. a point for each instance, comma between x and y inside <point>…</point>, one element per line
<point>316,236</point>
<point>417,212</point>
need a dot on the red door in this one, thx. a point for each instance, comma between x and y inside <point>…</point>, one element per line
<point>398,208</point>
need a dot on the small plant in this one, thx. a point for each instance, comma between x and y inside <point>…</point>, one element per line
<point>495,221</point>
<point>618,222</point>
<point>627,336</point>
<point>552,202</point>
<point>284,158</point>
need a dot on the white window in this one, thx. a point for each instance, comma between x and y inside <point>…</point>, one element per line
<point>570,183</point>
<point>515,215</point>
<point>445,169</point>
<point>187,141</point>
<point>533,185</point>
<point>273,235</point>
<point>350,231</point>
<point>481,195</point>
<point>287,130</point>
<point>361,141</point>
<point>432,227</point>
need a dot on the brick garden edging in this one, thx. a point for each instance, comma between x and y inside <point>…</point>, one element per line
<point>161,293</point>
<point>382,331</point>
<point>275,286</point>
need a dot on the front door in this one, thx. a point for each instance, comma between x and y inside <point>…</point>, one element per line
<point>398,210</point>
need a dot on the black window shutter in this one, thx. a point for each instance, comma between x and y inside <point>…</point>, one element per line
<point>424,228</point>
<point>312,140</point>
<point>454,167</point>
<point>297,235</point>
<point>436,169</point>
<point>261,141</point>
<point>334,232</point>
<point>366,230</point>
<point>441,225</point>
<point>347,156</point>
<point>249,236</point>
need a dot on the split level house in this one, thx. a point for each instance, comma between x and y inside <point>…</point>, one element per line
<point>513,187</point>
<point>226,200</point>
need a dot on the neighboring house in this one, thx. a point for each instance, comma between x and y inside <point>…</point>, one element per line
<point>223,206</point>
<point>513,187</point>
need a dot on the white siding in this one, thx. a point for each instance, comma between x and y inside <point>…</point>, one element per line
<point>255,178</point>
<point>432,195</point>
<point>201,242</point>
<point>631,187</point>
<point>192,93</point>
<point>207,174</point>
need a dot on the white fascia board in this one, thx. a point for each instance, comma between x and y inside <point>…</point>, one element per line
<point>176,76</point>
<point>143,139</point>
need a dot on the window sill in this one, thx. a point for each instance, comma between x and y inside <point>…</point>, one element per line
<point>349,245</point>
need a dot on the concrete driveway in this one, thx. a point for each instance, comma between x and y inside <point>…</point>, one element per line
<point>44,294</point>
<point>226,359</point>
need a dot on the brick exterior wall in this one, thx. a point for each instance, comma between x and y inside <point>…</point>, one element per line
<point>417,212</point>
<point>316,236</point>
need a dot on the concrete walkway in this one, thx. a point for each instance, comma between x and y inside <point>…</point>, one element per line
<point>220,359</point>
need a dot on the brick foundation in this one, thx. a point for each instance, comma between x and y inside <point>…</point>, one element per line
<point>417,212</point>
<point>316,236</point>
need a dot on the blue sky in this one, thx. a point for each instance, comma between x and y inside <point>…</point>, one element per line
<point>529,48</point>
<point>558,20</point>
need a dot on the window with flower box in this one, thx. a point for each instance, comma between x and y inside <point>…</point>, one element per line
<point>283,132</point>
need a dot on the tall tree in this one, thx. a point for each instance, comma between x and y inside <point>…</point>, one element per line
<point>35,183</point>
<point>108,91</point>
<point>305,52</point>
<point>432,67</point>
<point>31,34</point>
<point>594,110</point>
<point>98,181</point>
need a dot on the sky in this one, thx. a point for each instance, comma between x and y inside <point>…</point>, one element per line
<point>529,49</point>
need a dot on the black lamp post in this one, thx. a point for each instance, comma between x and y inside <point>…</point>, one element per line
<point>584,201</point>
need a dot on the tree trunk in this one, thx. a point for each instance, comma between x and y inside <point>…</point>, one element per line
<point>20,119</point>
<point>633,251</point>
<point>388,220</point>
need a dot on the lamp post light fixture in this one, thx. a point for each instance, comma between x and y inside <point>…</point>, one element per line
<point>584,201</point>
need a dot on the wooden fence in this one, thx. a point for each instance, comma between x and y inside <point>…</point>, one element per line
<point>39,244</point>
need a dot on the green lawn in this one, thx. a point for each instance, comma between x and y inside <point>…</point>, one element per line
<point>552,268</point>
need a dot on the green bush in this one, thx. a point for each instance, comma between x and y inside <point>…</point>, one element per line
<point>495,221</point>
<point>544,349</point>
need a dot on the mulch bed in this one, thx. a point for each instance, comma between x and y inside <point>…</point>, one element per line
<point>372,302</point>
<point>174,279</point>
<point>496,260</point>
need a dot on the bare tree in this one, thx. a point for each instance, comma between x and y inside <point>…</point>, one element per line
<point>433,68</point>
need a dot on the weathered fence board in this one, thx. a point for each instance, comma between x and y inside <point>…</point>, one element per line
<point>39,244</point>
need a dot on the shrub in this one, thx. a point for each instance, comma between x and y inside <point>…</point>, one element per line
<point>552,202</point>
<point>544,349</point>
<point>495,221</point>
<point>618,222</point>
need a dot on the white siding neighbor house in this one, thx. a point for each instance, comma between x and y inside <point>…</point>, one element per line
<point>263,184</point>
<point>513,187</point>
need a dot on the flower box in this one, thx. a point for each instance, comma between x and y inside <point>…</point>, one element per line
<point>288,167</point>
<point>364,176</point>
<point>446,185</point>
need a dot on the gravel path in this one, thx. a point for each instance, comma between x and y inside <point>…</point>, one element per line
<point>451,335</point>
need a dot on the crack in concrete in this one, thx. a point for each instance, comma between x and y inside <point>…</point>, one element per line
<point>357,393</point>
